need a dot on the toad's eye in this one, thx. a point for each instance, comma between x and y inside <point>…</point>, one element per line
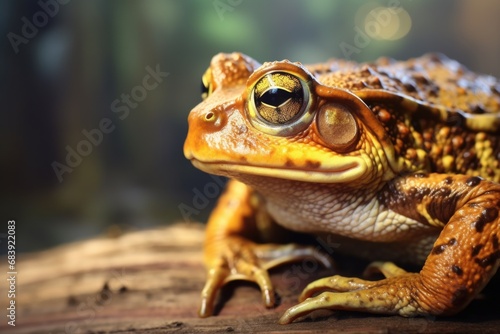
<point>204,90</point>
<point>206,84</point>
<point>279,98</point>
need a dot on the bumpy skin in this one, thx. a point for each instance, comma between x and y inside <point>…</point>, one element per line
<point>398,161</point>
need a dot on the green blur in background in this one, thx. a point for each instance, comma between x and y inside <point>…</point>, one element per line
<point>91,76</point>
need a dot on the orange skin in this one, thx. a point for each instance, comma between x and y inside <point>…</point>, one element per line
<point>377,155</point>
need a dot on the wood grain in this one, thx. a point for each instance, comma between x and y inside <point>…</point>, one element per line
<point>149,282</point>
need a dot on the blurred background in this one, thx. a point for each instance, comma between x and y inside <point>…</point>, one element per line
<point>72,80</point>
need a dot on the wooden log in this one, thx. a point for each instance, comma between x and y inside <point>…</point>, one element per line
<point>150,281</point>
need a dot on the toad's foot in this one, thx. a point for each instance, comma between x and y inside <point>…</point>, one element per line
<point>236,258</point>
<point>397,294</point>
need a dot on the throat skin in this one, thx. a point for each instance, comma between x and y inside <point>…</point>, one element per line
<point>353,219</point>
<point>333,208</point>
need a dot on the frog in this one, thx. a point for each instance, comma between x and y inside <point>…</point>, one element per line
<point>397,160</point>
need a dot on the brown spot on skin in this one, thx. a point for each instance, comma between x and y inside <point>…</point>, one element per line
<point>313,164</point>
<point>457,270</point>
<point>289,163</point>
<point>434,91</point>
<point>495,89</point>
<point>488,260</point>
<point>478,109</point>
<point>490,214</point>
<point>409,87</point>
<point>470,161</point>
<point>439,249</point>
<point>374,81</point>
<point>443,191</point>
<point>459,296</point>
<point>494,240</point>
<point>403,200</point>
<point>420,79</point>
<point>473,181</point>
<point>476,249</point>
<point>359,84</point>
<point>487,216</point>
<point>448,180</point>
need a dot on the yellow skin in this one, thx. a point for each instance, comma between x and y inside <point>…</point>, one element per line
<point>399,161</point>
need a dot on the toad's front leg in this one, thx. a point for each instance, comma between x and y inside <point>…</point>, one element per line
<point>464,257</point>
<point>231,250</point>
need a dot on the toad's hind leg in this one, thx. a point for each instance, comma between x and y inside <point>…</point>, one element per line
<point>464,258</point>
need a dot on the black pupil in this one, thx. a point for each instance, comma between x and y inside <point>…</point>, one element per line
<point>275,97</point>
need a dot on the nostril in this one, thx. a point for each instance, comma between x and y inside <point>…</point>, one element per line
<point>210,116</point>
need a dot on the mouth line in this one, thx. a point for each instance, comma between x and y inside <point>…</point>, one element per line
<point>344,173</point>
